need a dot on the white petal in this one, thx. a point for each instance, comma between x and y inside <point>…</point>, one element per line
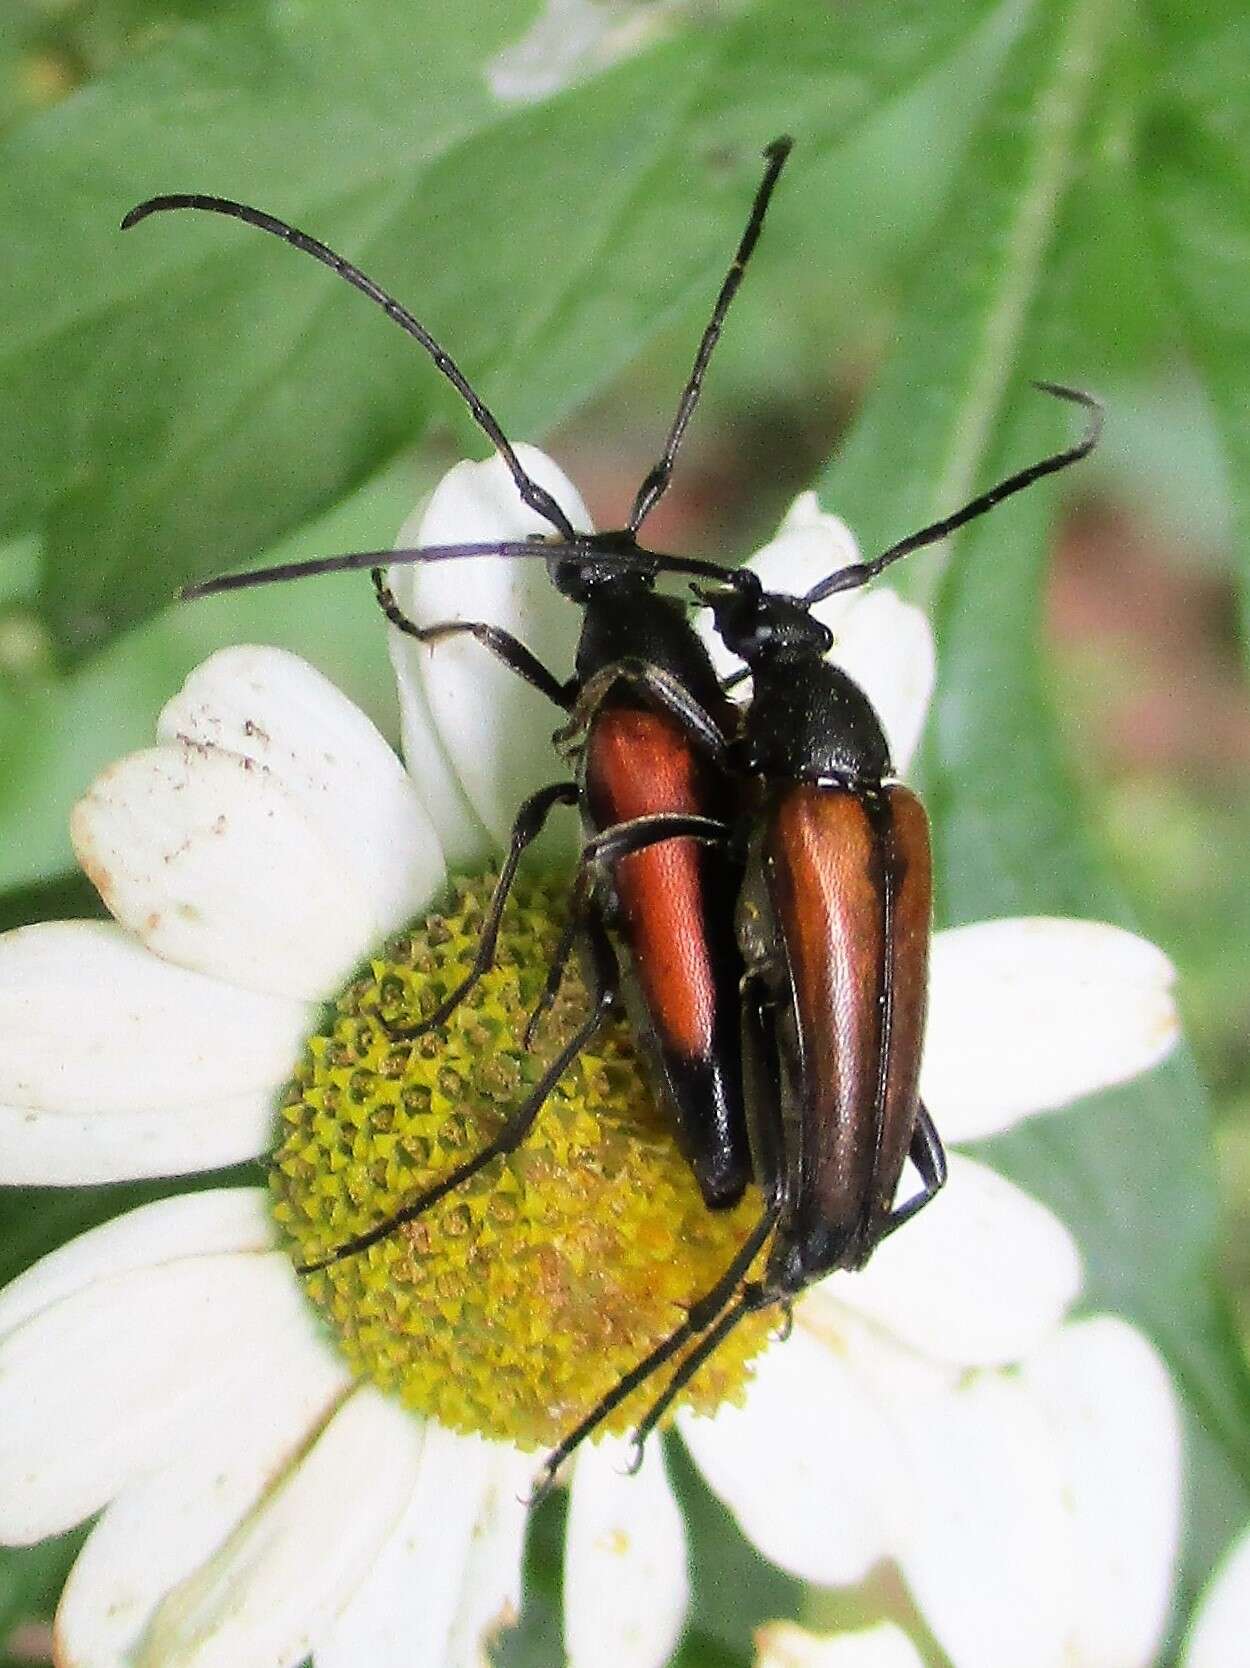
<point>1111,1403</point>
<point>490,1602</point>
<point>217,866</point>
<point>264,1598</point>
<point>1221,1626</point>
<point>107,1382</point>
<point>626,1582</point>
<point>166,1231</point>
<point>402,1614</point>
<point>985,1544</point>
<point>807,1465</point>
<point>464,840</point>
<point>887,647</point>
<point>74,1149</point>
<point>168,1522</point>
<point>275,709</point>
<point>1027,1015</point>
<point>783,1645</point>
<point>978,1278</point>
<point>885,1368</point>
<point>494,727</point>
<point>92,1022</point>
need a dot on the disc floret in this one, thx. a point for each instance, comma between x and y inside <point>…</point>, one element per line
<point>520,1298</point>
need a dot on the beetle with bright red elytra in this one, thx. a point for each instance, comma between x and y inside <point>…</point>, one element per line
<point>653,745</point>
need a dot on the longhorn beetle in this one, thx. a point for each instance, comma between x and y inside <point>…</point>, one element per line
<point>832,857</point>
<point>654,747</point>
<point>833,928</point>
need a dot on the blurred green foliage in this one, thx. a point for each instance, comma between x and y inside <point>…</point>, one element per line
<point>982,193</point>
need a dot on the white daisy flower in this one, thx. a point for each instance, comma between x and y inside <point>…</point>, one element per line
<point>261,1497</point>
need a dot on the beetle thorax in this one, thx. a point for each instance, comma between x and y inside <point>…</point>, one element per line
<point>634,623</point>
<point>809,721</point>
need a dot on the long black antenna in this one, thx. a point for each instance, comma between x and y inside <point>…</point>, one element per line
<point>537,497</point>
<point>655,485</point>
<point>859,573</point>
<point>581,549</point>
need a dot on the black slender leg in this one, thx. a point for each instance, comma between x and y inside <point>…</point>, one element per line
<point>929,1156</point>
<point>605,982</point>
<point>637,833</point>
<point>529,823</point>
<point>579,903</point>
<point>502,644</point>
<point>751,1298</point>
<point>762,1077</point>
<point>665,691</point>
<point>702,1312</point>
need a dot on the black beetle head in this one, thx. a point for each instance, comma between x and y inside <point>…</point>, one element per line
<point>758,625</point>
<point>610,561</point>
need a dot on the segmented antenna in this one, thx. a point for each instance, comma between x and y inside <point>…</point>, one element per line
<point>655,485</point>
<point>537,497</point>
<point>859,573</point>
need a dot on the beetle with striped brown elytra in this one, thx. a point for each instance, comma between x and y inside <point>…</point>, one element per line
<point>833,929</point>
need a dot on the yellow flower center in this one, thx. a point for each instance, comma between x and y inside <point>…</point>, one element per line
<point>517,1301</point>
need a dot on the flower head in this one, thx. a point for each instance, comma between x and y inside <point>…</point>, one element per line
<point>260,1498</point>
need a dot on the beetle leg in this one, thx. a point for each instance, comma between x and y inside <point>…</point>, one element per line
<point>929,1156</point>
<point>605,981</point>
<point>502,644</point>
<point>667,693</point>
<point>618,841</point>
<point>651,830</point>
<point>701,1314</point>
<point>762,1076</point>
<point>526,828</point>
<point>753,1296</point>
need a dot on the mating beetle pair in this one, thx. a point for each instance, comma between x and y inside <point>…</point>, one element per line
<point>769,882</point>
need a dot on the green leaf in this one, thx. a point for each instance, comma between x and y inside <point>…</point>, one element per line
<point>31,1578</point>
<point>1197,190</point>
<point>180,399</point>
<point>733,1590</point>
<point>950,413</point>
<point>1132,1173</point>
<point>919,447</point>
